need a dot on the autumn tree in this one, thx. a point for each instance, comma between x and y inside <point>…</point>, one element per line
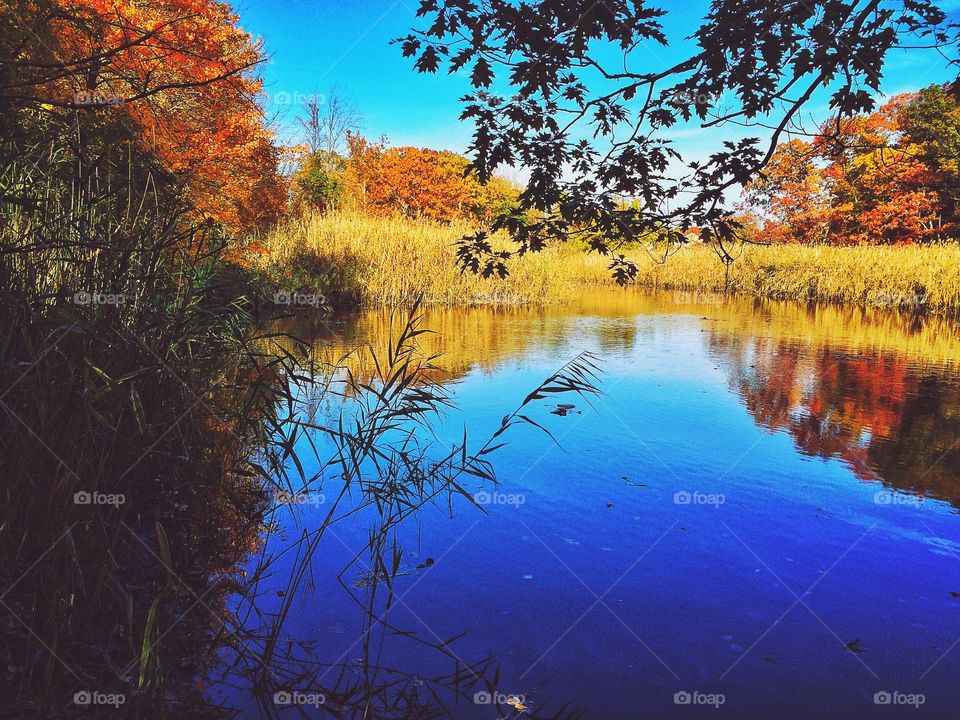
<point>175,77</point>
<point>887,177</point>
<point>930,124</point>
<point>411,181</point>
<point>791,196</point>
<point>420,183</point>
<point>560,87</point>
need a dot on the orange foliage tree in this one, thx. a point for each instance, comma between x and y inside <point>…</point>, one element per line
<point>888,177</point>
<point>177,73</point>
<point>419,182</point>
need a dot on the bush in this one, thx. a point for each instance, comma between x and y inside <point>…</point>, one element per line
<point>319,182</point>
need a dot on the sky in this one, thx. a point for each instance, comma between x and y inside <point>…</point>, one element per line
<point>315,45</point>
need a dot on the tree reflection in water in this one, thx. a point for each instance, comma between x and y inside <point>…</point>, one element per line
<point>890,419</point>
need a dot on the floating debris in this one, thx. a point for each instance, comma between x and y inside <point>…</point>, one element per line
<point>854,646</point>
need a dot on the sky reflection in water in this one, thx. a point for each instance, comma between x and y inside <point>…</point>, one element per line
<point>762,505</point>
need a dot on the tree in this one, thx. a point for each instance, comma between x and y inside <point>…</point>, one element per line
<point>791,195</point>
<point>406,180</point>
<point>931,125</point>
<point>887,177</point>
<point>329,120</point>
<point>318,182</point>
<point>175,76</point>
<point>590,127</point>
<point>421,183</point>
<point>328,123</point>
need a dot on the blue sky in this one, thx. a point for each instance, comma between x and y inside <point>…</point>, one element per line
<point>316,44</point>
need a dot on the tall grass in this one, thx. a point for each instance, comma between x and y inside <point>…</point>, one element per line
<point>390,261</point>
<point>132,406</point>
<point>923,278</point>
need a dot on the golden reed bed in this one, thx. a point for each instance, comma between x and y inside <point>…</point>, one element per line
<point>391,260</point>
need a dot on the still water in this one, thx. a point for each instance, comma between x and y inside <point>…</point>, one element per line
<point>756,519</point>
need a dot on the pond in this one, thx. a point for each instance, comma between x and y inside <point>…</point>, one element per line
<point>757,518</point>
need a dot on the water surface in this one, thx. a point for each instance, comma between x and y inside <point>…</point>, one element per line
<point>761,509</point>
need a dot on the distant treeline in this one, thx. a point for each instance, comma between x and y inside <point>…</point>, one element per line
<point>889,177</point>
<point>378,180</point>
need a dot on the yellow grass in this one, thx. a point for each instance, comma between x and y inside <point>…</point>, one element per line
<point>391,260</point>
<point>903,276</point>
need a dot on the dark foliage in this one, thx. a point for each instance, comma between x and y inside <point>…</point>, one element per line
<point>558,90</point>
